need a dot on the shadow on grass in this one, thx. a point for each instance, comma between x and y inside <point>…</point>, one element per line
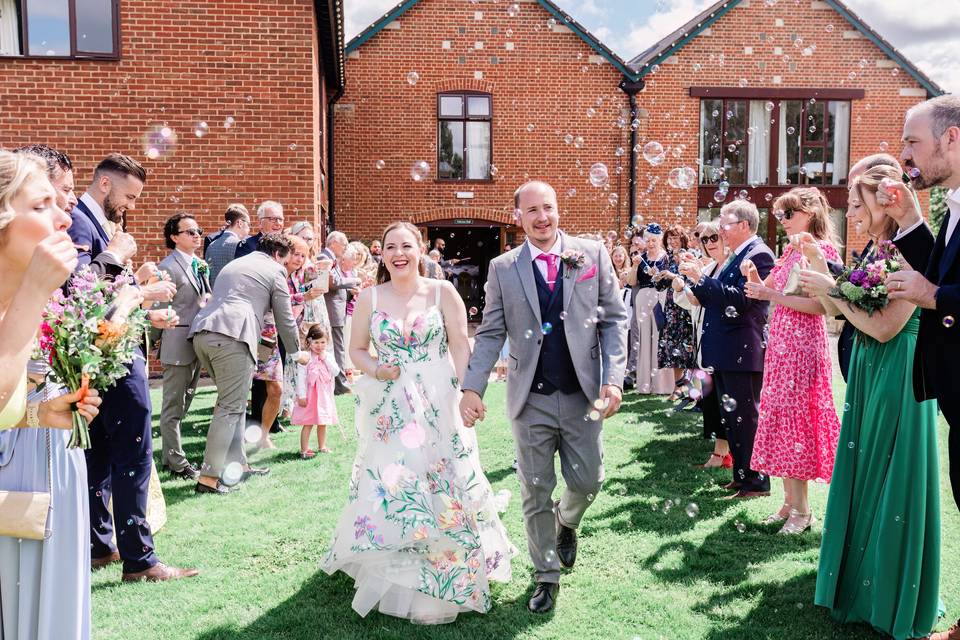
<point>322,609</point>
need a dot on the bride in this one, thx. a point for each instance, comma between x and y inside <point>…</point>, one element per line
<point>420,533</point>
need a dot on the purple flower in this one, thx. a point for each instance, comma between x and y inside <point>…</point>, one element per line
<point>858,276</point>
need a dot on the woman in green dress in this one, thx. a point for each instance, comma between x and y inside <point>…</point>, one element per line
<point>880,552</point>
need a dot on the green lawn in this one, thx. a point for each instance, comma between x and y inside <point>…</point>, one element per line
<point>644,570</point>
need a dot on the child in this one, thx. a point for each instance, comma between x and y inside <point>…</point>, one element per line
<point>315,405</point>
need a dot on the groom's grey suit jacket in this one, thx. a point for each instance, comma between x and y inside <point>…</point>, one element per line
<point>512,309</point>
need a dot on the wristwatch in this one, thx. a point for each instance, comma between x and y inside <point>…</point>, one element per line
<point>33,414</point>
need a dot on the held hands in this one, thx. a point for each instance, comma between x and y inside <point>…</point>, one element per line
<point>312,294</point>
<point>51,264</point>
<point>472,408</point>
<point>163,318</point>
<point>123,246</point>
<point>128,298</point>
<point>898,202</point>
<point>815,283</point>
<point>386,372</point>
<point>301,357</point>
<point>56,413</point>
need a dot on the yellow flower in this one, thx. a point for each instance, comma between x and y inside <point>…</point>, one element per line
<point>420,533</point>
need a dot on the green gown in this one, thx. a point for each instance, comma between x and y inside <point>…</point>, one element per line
<point>880,553</point>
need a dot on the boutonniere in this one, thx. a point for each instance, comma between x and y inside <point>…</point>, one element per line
<point>572,258</point>
<point>202,267</point>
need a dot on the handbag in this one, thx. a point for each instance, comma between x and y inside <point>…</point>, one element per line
<point>23,514</point>
<point>793,286</point>
<point>659,317</point>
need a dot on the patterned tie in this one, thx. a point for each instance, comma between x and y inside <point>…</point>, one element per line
<point>551,261</point>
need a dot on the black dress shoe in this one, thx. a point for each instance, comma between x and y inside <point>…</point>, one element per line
<point>219,490</point>
<point>189,472</point>
<point>253,471</point>
<point>566,541</point>
<point>544,596</point>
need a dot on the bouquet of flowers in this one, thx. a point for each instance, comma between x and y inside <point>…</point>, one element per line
<point>88,337</point>
<point>865,284</point>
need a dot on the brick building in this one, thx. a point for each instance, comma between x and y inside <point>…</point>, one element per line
<point>489,94</point>
<point>223,101</point>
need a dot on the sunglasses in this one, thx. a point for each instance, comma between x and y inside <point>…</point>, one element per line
<point>711,238</point>
<point>194,232</point>
<point>787,214</point>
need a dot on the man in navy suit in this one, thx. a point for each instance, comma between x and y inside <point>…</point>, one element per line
<point>270,219</point>
<point>120,457</point>
<point>733,343</point>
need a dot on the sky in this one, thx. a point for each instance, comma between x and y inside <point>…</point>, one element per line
<point>928,38</point>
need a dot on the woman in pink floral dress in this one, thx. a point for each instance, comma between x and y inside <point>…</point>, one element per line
<point>797,429</point>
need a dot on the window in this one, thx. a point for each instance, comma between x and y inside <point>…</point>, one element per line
<point>59,28</point>
<point>464,136</point>
<point>738,136</point>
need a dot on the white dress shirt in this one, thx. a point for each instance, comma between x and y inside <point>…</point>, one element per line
<point>536,253</point>
<point>98,213</point>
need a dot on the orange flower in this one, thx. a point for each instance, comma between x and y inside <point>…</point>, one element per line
<point>109,332</point>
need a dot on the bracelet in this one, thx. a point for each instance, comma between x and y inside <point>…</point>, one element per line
<point>376,374</point>
<point>33,415</point>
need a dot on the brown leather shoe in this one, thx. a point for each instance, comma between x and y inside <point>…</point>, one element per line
<point>732,485</point>
<point>160,573</point>
<point>746,495</point>
<point>100,563</point>
<point>953,633</point>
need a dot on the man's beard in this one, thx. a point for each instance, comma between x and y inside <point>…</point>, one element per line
<point>111,210</point>
<point>936,173</point>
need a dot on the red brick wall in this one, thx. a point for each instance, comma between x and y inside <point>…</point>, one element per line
<point>184,62</point>
<point>674,115</point>
<point>547,81</point>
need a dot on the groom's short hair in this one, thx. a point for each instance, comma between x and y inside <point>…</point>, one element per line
<point>516,194</point>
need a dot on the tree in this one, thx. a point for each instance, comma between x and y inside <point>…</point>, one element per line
<point>938,208</point>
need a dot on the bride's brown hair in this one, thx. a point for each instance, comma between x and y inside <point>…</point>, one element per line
<point>870,181</point>
<point>382,274</point>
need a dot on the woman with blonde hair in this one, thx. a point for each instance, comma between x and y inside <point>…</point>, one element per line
<point>880,551</point>
<point>44,584</point>
<point>798,428</point>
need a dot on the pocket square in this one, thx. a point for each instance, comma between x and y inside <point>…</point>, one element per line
<point>590,273</point>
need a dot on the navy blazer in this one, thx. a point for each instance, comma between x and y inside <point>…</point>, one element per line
<point>938,343</point>
<point>248,246</point>
<point>734,340</point>
<point>91,241</point>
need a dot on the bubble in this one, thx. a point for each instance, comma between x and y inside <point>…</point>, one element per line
<point>563,315</point>
<point>293,146</point>
<point>740,526</point>
<point>948,321</point>
<point>846,406</point>
<point>729,404</point>
<point>591,112</point>
<point>528,334</point>
<point>692,510</point>
<point>731,312</point>
<point>551,23</point>
<point>850,445</point>
<point>653,153</point>
<point>578,142</point>
<point>513,10</point>
<point>913,172</point>
<point>743,82</point>
<point>613,199</point>
<point>571,192</point>
<point>228,122</point>
<point>201,129</point>
<point>413,78</point>
<point>536,479</point>
<point>546,328</point>
<point>531,127</point>
<point>884,146</point>
<point>550,555</point>
<point>419,170</point>
<point>682,178</point>
<point>791,131</point>
<point>599,175</point>
<point>769,106</point>
<point>252,433</point>
<point>594,415</point>
<point>232,473</point>
<point>798,447</point>
<point>159,141</point>
<point>866,583</point>
<point>568,139</point>
<point>590,497</point>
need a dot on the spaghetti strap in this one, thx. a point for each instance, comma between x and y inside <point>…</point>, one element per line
<point>436,297</point>
<point>373,297</point>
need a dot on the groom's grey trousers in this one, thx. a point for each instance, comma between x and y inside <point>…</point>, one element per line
<point>546,425</point>
<point>231,366</point>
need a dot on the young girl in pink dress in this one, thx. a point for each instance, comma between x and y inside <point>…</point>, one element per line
<point>798,429</point>
<point>315,404</point>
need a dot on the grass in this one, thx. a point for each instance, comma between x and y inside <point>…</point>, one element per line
<point>644,571</point>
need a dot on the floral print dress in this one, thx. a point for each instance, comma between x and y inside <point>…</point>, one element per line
<point>420,533</point>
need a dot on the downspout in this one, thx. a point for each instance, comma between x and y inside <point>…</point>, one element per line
<point>331,213</point>
<point>631,88</point>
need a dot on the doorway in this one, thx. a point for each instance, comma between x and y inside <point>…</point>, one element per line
<point>466,254</point>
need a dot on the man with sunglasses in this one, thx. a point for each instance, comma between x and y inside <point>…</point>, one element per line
<point>270,219</point>
<point>181,369</point>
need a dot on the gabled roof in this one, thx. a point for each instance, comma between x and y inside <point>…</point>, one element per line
<point>641,65</point>
<point>561,17</point>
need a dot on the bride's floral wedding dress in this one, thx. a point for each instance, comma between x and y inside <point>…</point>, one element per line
<point>420,533</point>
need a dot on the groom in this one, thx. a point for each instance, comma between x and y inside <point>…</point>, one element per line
<point>567,357</point>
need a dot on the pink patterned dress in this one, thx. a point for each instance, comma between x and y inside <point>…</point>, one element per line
<point>798,429</point>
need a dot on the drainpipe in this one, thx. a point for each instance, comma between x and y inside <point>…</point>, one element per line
<point>631,88</point>
<point>331,210</point>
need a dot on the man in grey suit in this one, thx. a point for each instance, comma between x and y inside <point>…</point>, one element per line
<point>336,301</point>
<point>181,369</point>
<point>226,334</point>
<point>565,373</point>
<point>223,246</point>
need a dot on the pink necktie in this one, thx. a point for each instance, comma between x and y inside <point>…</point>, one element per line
<point>551,261</point>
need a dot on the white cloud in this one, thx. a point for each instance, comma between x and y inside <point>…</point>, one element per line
<point>360,14</point>
<point>670,16</point>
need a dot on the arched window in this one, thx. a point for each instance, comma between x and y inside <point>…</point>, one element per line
<point>464,136</point>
